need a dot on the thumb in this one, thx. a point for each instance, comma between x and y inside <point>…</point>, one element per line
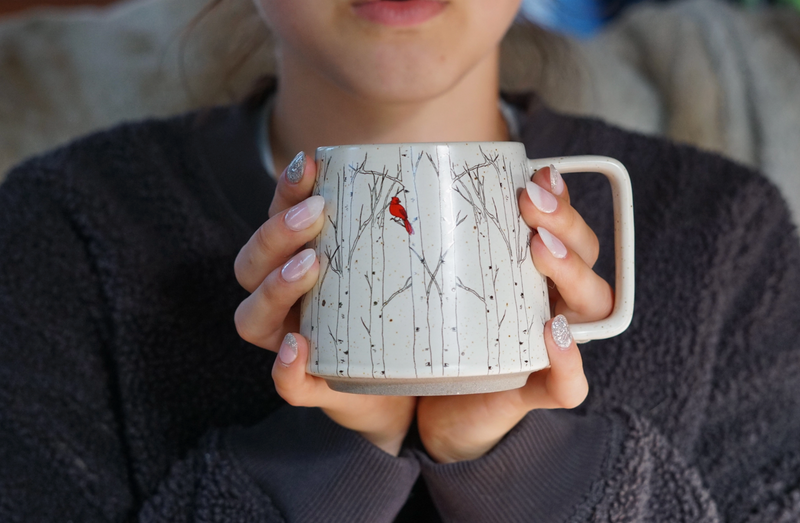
<point>382,420</point>
<point>291,380</point>
<point>563,385</point>
<point>566,382</point>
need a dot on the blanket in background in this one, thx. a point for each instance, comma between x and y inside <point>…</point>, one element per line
<point>696,71</point>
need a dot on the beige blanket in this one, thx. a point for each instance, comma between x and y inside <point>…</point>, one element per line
<point>698,71</point>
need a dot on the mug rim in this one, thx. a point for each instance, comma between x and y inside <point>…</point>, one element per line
<point>326,148</point>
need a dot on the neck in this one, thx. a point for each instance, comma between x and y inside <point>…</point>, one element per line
<point>311,111</point>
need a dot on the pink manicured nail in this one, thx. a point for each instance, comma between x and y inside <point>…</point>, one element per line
<point>288,351</point>
<point>552,243</point>
<point>556,181</point>
<point>560,331</point>
<point>543,200</point>
<point>298,266</point>
<point>305,213</point>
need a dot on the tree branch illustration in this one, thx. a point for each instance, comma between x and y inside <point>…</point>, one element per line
<point>432,274</point>
<point>397,292</point>
<point>500,229</point>
<point>461,285</point>
<point>333,261</point>
<point>435,165</point>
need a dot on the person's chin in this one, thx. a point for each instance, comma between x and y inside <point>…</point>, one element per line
<point>398,90</point>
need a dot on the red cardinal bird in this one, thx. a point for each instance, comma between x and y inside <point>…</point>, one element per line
<point>397,210</point>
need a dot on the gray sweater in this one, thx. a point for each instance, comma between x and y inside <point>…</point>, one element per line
<point>126,393</point>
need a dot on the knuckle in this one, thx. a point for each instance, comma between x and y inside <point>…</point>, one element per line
<point>238,269</point>
<point>608,300</point>
<point>561,273</point>
<point>276,205</point>
<point>594,249</point>
<point>576,396</point>
<point>570,219</point>
<point>581,394</point>
<point>596,301</point>
<point>290,395</point>
<point>244,327</point>
<point>544,262</point>
<point>266,241</point>
<point>269,294</point>
<point>241,269</point>
<point>284,392</point>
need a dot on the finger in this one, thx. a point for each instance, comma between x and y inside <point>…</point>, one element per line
<point>294,184</point>
<point>563,385</point>
<point>550,179</point>
<point>587,296</point>
<point>278,239</point>
<point>260,316</point>
<point>292,381</point>
<point>382,420</point>
<point>540,208</point>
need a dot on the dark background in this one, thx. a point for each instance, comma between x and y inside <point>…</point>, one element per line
<point>13,6</point>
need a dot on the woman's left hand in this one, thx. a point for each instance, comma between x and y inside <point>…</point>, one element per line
<point>456,428</point>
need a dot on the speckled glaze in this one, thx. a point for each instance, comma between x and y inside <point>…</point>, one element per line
<point>426,281</point>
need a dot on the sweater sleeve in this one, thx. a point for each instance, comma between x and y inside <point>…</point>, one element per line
<point>740,458</point>
<point>296,465</point>
<point>558,466</point>
<point>63,451</point>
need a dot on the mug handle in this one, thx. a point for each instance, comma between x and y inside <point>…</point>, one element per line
<point>620,182</point>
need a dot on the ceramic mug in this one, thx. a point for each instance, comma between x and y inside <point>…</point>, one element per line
<point>426,283</point>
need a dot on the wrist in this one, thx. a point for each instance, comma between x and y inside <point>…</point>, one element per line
<point>446,452</point>
<point>385,425</point>
<point>464,438</point>
<point>389,443</point>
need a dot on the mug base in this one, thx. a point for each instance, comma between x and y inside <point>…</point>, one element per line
<point>449,386</point>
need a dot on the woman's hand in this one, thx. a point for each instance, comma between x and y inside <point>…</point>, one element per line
<point>456,428</point>
<point>271,269</point>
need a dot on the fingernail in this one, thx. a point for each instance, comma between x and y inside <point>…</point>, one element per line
<point>552,243</point>
<point>295,170</point>
<point>560,330</point>
<point>298,266</point>
<point>543,200</point>
<point>288,350</point>
<point>556,181</point>
<point>305,213</point>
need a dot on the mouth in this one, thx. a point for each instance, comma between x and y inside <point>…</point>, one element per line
<point>398,13</point>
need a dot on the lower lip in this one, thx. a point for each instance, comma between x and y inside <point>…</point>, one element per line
<point>399,14</point>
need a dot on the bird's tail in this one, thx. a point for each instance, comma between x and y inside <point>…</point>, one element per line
<point>409,230</point>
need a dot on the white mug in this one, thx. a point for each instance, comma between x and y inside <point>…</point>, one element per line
<point>426,283</point>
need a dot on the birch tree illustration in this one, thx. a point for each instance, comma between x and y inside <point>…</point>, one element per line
<point>381,188</point>
<point>469,184</point>
<point>409,254</point>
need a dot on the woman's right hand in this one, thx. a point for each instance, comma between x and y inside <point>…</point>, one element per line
<point>270,267</point>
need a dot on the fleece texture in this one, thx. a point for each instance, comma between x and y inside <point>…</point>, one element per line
<point>126,393</point>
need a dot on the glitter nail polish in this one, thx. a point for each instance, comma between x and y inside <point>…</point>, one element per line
<point>556,181</point>
<point>561,333</point>
<point>295,170</point>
